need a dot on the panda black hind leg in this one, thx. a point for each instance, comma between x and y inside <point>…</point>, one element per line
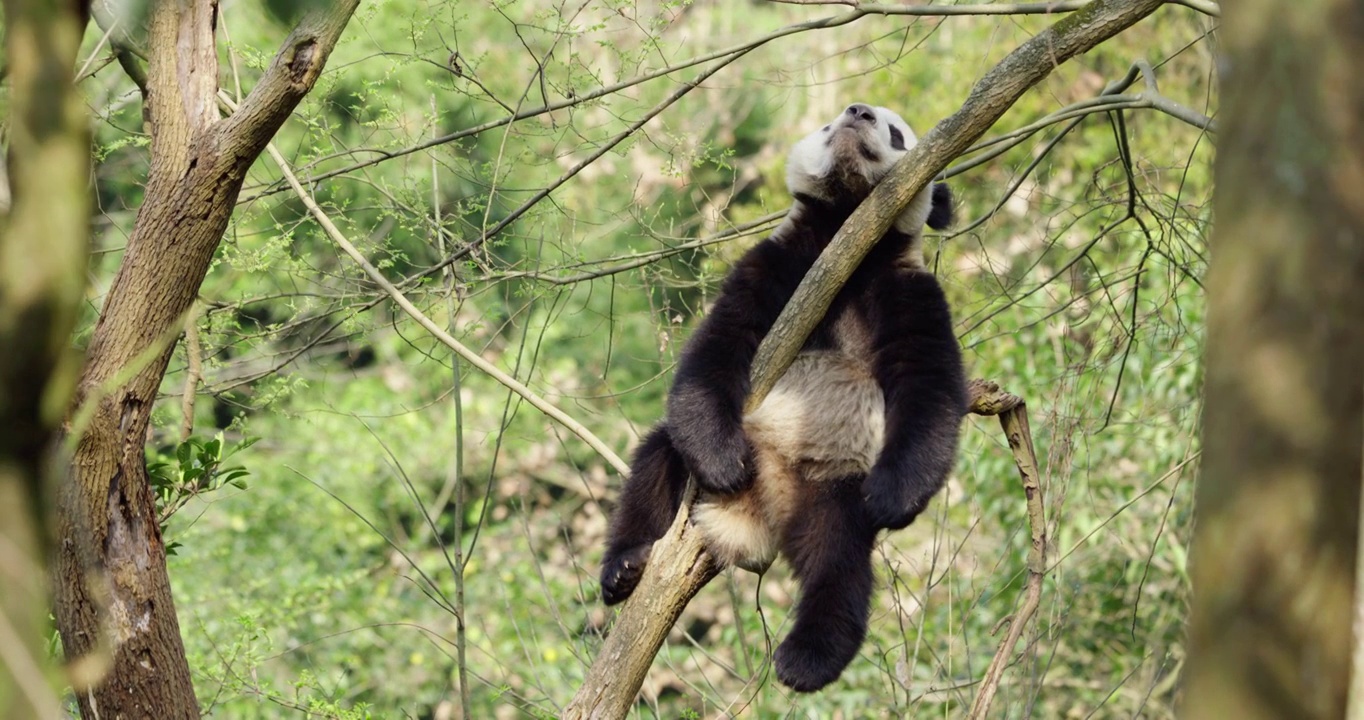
<point>648,504</point>
<point>829,547</point>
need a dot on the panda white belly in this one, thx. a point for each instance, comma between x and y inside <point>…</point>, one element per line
<point>826,416</point>
<point>824,420</point>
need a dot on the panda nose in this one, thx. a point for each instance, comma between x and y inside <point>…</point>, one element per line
<point>862,111</point>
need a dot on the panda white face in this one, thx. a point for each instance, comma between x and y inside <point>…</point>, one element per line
<point>841,162</point>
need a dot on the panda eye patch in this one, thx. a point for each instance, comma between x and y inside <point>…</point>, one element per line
<point>897,138</point>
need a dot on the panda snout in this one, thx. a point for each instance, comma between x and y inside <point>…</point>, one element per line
<point>862,112</point>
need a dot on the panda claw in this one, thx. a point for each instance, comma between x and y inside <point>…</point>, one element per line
<point>620,574</point>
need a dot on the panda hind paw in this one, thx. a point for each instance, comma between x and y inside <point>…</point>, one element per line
<point>620,573</point>
<point>805,667</point>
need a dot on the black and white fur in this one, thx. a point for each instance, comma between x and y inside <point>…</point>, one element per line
<point>858,435</point>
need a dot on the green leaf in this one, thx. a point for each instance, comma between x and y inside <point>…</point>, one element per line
<point>159,475</point>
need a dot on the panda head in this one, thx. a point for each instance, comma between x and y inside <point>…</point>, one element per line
<point>839,164</point>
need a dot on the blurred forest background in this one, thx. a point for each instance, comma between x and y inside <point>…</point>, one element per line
<point>385,487</point>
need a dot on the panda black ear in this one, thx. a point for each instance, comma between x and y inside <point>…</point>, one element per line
<point>940,216</point>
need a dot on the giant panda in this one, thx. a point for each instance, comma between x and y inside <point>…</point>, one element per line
<point>856,437</point>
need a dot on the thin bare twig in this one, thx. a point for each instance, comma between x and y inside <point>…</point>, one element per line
<point>128,58</point>
<point>455,482</point>
<point>1207,7</point>
<point>861,11</point>
<point>606,147</point>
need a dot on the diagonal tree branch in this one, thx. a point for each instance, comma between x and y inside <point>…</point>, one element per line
<point>291,75</point>
<point>128,57</point>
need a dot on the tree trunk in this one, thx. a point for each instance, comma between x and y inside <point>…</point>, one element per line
<point>111,569</point>
<point>43,248</point>
<point>1279,497</point>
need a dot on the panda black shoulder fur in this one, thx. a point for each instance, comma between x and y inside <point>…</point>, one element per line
<point>858,435</point>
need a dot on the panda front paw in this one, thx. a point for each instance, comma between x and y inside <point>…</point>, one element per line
<point>889,519</point>
<point>888,506</point>
<point>724,471</point>
<point>721,460</point>
<point>620,573</point>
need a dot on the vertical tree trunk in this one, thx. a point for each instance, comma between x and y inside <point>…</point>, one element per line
<point>111,574</point>
<point>43,248</point>
<point>1279,497</point>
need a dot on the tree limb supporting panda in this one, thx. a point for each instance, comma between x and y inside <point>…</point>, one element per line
<point>857,436</point>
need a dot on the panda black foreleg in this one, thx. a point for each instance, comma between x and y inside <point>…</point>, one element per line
<point>919,368</point>
<point>706,402</point>
<point>648,504</point>
<point>829,547</point>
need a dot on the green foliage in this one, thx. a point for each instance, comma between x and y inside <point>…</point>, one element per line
<point>194,468</point>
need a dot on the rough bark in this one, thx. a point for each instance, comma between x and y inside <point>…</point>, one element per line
<point>1283,426</point>
<point>43,248</point>
<point>112,589</point>
<point>625,657</point>
<point>678,569</point>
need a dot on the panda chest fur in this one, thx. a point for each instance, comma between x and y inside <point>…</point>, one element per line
<point>825,418</point>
